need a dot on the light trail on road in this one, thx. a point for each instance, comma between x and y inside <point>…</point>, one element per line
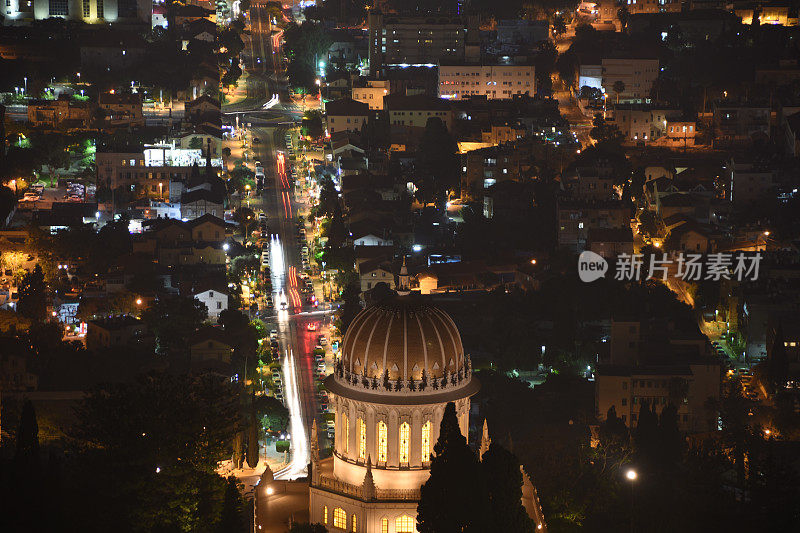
<point>299,442</point>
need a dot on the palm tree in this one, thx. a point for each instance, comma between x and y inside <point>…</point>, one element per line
<point>619,88</point>
<point>624,16</point>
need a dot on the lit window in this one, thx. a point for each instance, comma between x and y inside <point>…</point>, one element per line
<point>404,524</point>
<point>339,518</point>
<point>384,525</point>
<point>362,439</point>
<point>405,430</point>
<point>354,523</point>
<point>346,446</point>
<point>325,515</point>
<point>426,441</point>
<point>382,437</point>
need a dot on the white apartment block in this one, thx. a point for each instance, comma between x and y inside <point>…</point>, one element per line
<point>637,75</point>
<point>493,81</point>
<point>372,94</point>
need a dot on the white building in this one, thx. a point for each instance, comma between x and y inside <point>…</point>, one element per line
<point>590,75</point>
<point>384,436</point>
<point>371,240</point>
<point>636,74</point>
<point>372,94</point>
<point>493,81</point>
<point>19,12</point>
<point>215,300</point>
<point>171,155</point>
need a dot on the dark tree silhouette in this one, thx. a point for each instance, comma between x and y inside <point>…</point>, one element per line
<point>454,499</point>
<point>26,456</point>
<point>231,519</point>
<point>504,484</point>
<point>33,295</point>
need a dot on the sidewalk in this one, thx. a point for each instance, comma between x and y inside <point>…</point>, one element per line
<point>249,476</point>
<point>239,94</point>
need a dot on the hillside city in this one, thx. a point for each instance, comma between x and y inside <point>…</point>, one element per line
<point>394,266</point>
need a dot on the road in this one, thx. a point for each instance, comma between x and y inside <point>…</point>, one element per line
<point>269,126</point>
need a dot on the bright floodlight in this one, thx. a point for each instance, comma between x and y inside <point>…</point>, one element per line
<point>631,474</point>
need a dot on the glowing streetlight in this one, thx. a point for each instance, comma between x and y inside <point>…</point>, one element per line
<point>533,261</point>
<point>631,474</point>
<point>138,301</point>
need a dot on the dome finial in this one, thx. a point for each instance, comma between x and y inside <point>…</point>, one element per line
<point>486,441</point>
<point>368,486</point>
<point>403,284</point>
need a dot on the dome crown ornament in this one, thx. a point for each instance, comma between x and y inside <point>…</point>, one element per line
<point>404,343</point>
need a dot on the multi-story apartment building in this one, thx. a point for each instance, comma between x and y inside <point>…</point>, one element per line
<point>346,114</point>
<point>402,41</point>
<point>636,74</point>
<point>640,122</point>
<point>740,122</point>
<point>121,110</point>
<point>644,367</point>
<point>576,217</point>
<point>372,94</point>
<point>591,183</point>
<point>493,81</point>
<point>151,171</point>
<point>414,111</point>
<point>63,113</point>
<point>87,11</point>
<point>607,10</point>
<point>751,182</point>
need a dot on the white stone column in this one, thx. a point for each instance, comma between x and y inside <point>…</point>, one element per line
<point>393,427</point>
<point>415,452</point>
<point>372,435</point>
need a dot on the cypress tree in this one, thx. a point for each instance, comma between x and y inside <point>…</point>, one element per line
<point>454,499</point>
<point>504,484</point>
<point>27,455</point>
<point>230,518</point>
<point>252,442</point>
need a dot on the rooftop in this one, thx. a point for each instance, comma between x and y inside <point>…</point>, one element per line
<point>399,102</point>
<point>347,107</point>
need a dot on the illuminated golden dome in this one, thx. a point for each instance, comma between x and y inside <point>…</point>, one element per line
<point>404,335</point>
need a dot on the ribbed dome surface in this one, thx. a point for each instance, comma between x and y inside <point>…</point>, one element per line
<point>405,335</point>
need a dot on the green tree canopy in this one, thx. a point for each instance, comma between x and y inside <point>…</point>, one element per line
<point>173,320</point>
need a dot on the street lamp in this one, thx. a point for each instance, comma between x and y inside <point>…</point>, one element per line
<point>631,475</point>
